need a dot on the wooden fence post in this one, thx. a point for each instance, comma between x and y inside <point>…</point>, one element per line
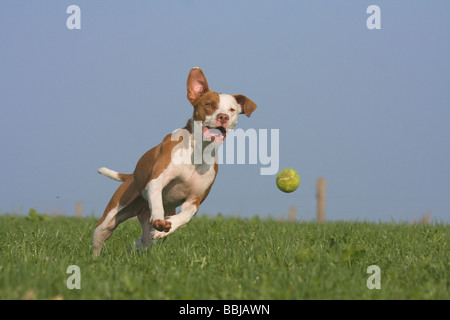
<point>79,210</point>
<point>292,212</point>
<point>321,194</point>
<point>427,218</point>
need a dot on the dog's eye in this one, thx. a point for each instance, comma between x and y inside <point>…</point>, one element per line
<point>209,104</point>
<point>232,110</point>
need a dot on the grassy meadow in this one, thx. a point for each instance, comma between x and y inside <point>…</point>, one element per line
<point>225,258</point>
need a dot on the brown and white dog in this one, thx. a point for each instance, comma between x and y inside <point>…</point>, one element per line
<point>161,181</point>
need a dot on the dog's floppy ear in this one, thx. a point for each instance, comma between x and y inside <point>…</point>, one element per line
<point>196,84</point>
<point>247,105</point>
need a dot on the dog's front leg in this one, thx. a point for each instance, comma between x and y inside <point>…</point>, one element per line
<point>154,197</point>
<point>188,210</point>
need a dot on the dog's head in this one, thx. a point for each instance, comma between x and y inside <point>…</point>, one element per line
<point>218,112</point>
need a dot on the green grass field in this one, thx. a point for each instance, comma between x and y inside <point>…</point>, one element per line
<point>225,258</point>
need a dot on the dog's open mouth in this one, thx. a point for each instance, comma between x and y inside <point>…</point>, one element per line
<point>215,134</point>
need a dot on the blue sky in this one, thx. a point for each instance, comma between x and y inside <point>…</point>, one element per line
<point>368,110</point>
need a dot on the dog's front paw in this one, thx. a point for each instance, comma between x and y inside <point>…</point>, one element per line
<point>159,235</point>
<point>162,225</point>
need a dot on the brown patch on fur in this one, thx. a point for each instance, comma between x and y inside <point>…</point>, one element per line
<point>248,106</point>
<point>124,196</point>
<point>206,105</point>
<point>153,162</point>
<point>124,176</point>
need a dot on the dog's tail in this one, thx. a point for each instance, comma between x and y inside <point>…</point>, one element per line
<point>113,174</point>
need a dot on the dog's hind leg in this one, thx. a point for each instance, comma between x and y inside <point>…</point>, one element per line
<point>144,217</point>
<point>120,208</point>
<point>146,239</point>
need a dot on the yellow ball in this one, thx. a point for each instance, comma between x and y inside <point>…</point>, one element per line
<point>288,180</point>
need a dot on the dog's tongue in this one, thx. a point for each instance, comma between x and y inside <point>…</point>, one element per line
<point>211,133</point>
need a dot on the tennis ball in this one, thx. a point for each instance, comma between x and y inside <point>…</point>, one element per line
<point>288,180</point>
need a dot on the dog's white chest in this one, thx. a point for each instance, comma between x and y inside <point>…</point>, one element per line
<point>189,182</point>
<point>202,178</point>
